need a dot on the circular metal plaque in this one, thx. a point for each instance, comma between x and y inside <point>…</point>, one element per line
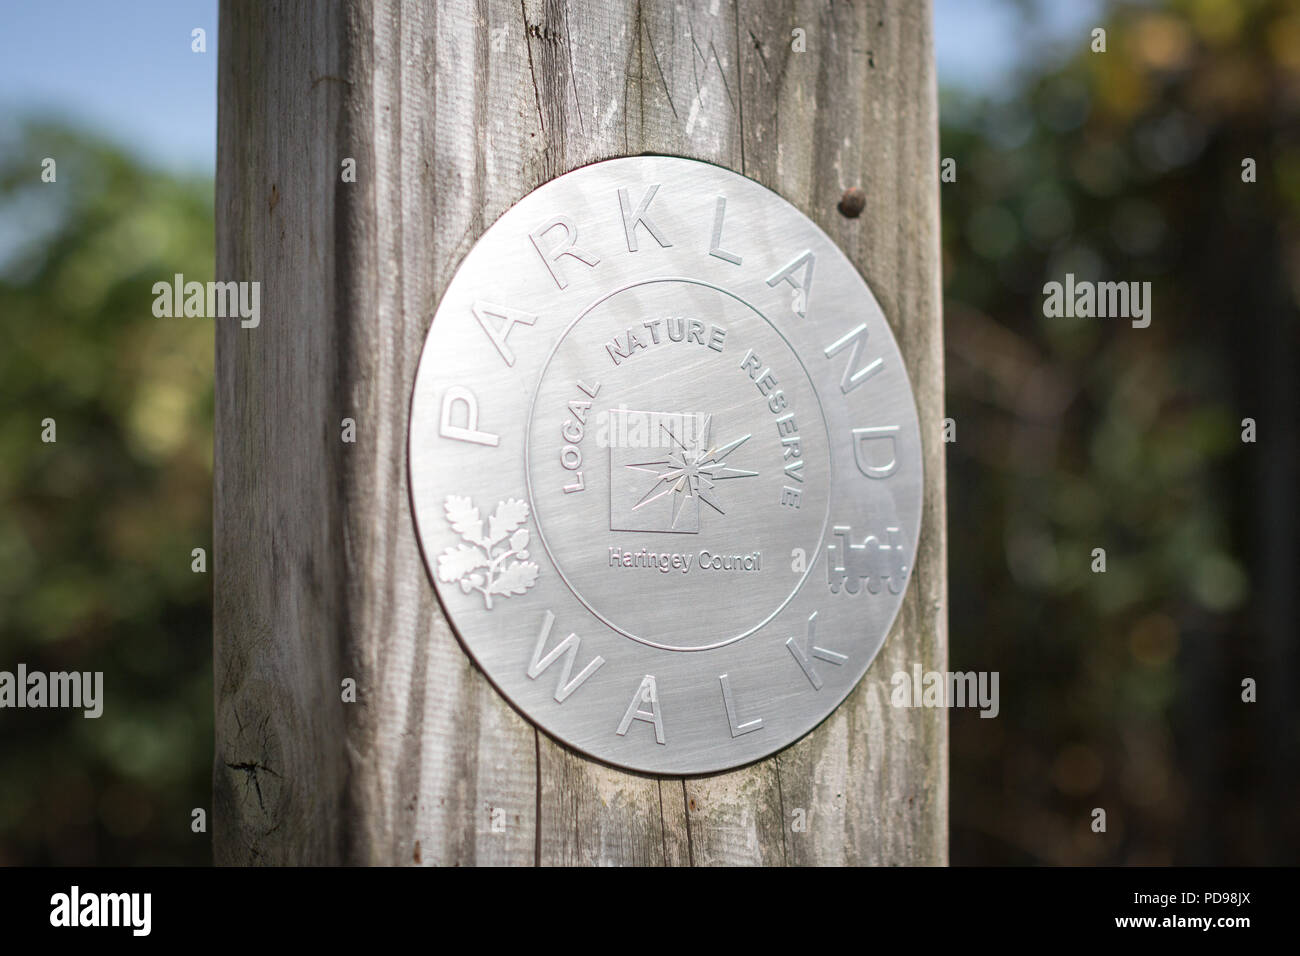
<point>665,465</point>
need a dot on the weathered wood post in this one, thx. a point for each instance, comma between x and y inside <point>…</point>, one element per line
<point>450,113</point>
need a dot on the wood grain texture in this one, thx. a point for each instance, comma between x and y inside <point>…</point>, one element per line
<point>453,112</point>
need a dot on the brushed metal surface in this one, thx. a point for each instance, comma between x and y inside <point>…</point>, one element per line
<point>665,465</point>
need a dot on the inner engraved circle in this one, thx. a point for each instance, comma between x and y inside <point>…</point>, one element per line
<point>693,462</point>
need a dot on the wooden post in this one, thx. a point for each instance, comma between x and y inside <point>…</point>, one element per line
<point>452,112</point>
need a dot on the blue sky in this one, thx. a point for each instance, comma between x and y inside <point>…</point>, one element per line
<point>121,67</point>
<point>125,67</point>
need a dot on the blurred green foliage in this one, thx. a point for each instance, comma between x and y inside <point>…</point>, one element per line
<point>97,528</point>
<point>1122,690</point>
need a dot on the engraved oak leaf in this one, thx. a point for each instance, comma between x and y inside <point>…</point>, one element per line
<point>516,579</point>
<point>510,514</point>
<point>488,564</point>
<point>458,562</point>
<point>464,518</point>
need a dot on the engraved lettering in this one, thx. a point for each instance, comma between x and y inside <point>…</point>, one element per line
<point>565,245</point>
<point>579,409</point>
<point>680,329</point>
<point>853,378</point>
<point>618,350</point>
<point>861,436</point>
<point>786,428</point>
<point>483,311</point>
<point>664,561</point>
<point>803,655</point>
<point>639,218</point>
<point>803,285</point>
<point>572,431</point>
<point>715,246</point>
<point>749,726</point>
<point>731,562</point>
<point>460,395</point>
<point>615,350</point>
<point>647,693</point>
<point>569,649</point>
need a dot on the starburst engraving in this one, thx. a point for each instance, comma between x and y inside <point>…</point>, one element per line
<point>690,472</point>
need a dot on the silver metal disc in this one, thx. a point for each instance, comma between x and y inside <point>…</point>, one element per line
<point>665,465</point>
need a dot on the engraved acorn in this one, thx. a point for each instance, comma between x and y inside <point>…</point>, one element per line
<point>519,543</point>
